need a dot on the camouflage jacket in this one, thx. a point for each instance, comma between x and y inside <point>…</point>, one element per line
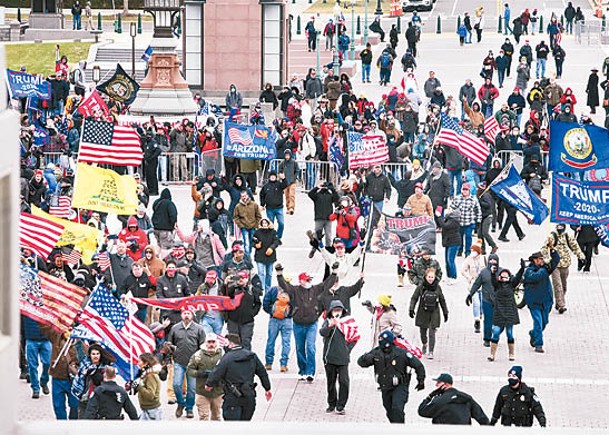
<point>562,243</point>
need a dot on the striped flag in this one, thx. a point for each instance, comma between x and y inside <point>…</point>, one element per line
<point>366,150</point>
<point>105,143</point>
<point>39,234</point>
<point>104,261</point>
<point>49,300</point>
<point>72,256</point>
<point>63,207</point>
<point>470,146</point>
<point>236,135</point>
<point>405,344</point>
<point>106,321</point>
<point>491,128</point>
<point>349,328</point>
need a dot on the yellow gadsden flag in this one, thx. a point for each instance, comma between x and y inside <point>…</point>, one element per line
<point>79,235</point>
<point>104,190</point>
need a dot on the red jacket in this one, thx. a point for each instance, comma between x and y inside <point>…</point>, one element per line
<point>345,221</point>
<point>138,237</point>
<point>492,89</point>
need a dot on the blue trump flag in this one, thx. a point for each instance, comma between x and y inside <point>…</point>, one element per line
<point>579,202</point>
<point>510,187</point>
<point>24,85</point>
<point>574,147</point>
<point>250,142</point>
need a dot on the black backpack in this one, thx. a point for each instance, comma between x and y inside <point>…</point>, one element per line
<point>430,300</point>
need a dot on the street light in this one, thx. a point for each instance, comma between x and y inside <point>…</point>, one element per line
<point>352,48</point>
<point>163,13</point>
<point>96,74</point>
<point>335,61</point>
<point>379,9</point>
<point>366,22</point>
<point>133,34</point>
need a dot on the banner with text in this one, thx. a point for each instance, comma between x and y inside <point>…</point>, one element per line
<point>250,142</point>
<point>407,235</point>
<point>579,202</point>
<point>24,85</point>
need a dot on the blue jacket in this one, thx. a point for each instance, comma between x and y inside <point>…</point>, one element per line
<point>537,285</point>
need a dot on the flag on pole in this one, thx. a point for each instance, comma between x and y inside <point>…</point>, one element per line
<point>71,255</point>
<point>103,142</point>
<point>104,261</point>
<point>106,321</point>
<point>49,300</point>
<point>470,146</point>
<point>39,234</point>
<point>349,328</point>
<point>491,129</point>
<point>63,207</point>
<point>94,106</point>
<point>147,54</point>
<point>366,150</point>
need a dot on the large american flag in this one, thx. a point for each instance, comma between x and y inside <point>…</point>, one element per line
<point>105,143</point>
<point>49,300</point>
<point>237,135</point>
<point>491,128</point>
<point>39,234</point>
<point>366,150</point>
<point>349,328</point>
<point>452,135</point>
<point>108,322</point>
<point>63,207</point>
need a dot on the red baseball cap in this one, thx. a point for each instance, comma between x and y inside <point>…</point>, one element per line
<point>304,276</point>
<point>243,274</point>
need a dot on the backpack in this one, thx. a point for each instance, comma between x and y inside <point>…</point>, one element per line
<point>535,184</point>
<point>385,60</point>
<point>429,301</point>
<point>71,76</point>
<point>281,307</point>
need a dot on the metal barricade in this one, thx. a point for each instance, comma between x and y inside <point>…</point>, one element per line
<point>399,171</point>
<point>311,172</point>
<point>591,33</point>
<point>178,168</point>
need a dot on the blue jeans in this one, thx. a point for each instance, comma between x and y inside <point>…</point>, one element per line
<point>506,26</point>
<point>450,252</point>
<point>311,175</point>
<point>569,27</point>
<point>304,337</point>
<point>276,213</point>
<point>212,324</point>
<point>466,232</point>
<point>477,304</point>
<point>60,391</point>
<point>179,372</point>
<point>541,63</point>
<point>501,76</point>
<point>541,317</point>
<point>509,331</point>
<point>35,350</point>
<point>385,75</point>
<point>247,235</point>
<point>276,326</point>
<point>379,205</point>
<point>365,72</point>
<point>487,310</point>
<point>455,175</point>
<point>76,22</point>
<point>468,37</point>
<point>142,313</point>
<point>265,272</point>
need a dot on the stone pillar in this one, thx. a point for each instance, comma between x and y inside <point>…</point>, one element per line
<point>194,61</point>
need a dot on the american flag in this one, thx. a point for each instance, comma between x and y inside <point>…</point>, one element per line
<point>63,207</point>
<point>405,344</point>
<point>452,135</point>
<point>104,261</point>
<point>106,321</point>
<point>366,150</point>
<point>49,300</point>
<point>491,128</point>
<point>236,135</point>
<point>105,143</point>
<point>39,234</point>
<point>71,256</point>
<point>349,328</point>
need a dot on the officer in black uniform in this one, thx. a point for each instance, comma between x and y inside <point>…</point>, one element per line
<point>517,403</point>
<point>109,400</point>
<point>235,372</point>
<point>392,367</point>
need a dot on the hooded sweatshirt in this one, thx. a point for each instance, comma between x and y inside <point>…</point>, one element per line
<point>155,266</point>
<point>485,280</point>
<point>135,240</point>
<point>165,213</point>
<point>336,349</point>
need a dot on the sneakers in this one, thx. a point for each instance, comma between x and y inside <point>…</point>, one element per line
<point>531,339</point>
<point>268,367</point>
<point>302,378</point>
<point>310,379</point>
<point>503,239</point>
<point>340,411</point>
<point>179,411</point>
<point>45,388</point>
<point>522,237</point>
<point>539,349</point>
<point>171,402</point>
<point>23,375</point>
<point>35,395</point>
<point>329,410</point>
<point>477,326</point>
<point>430,355</point>
<point>562,310</point>
<point>284,369</point>
<point>486,343</point>
<point>189,413</point>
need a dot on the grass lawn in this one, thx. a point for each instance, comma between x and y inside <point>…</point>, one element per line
<point>319,7</point>
<point>40,58</point>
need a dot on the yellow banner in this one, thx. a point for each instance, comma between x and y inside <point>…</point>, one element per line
<point>104,190</point>
<point>81,236</point>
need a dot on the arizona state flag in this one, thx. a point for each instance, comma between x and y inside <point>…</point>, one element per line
<point>120,87</point>
<point>104,190</point>
<point>78,235</point>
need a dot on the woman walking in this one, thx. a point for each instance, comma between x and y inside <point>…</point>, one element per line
<point>149,389</point>
<point>505,313</point>
<point>429,297</point>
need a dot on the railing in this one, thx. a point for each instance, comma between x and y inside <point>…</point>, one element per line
<point>591,33</point>
<point>311,172</point>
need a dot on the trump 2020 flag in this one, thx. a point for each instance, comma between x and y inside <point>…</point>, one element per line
<point>366,150</point>
<point>250,142</point>
<point>106,321</point>
<point>575,147</point>
<point>510,187</point>
<point>579,202</point>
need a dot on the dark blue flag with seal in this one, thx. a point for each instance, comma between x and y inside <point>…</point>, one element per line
<point>575,147</point>
<point>120,87</point>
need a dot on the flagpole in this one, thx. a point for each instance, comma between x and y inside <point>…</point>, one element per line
<point>62,352</point>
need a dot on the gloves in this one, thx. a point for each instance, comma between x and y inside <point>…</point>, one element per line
<point>314,243</point>
<point>278,267</point>
<point>411,314</point>
<point>522,263</point>
<point>468,300</point>
<point>445,317</point>
<point>367,304</point>
<point>362,233</point>
<point>420,386</point>
<point>269,252</point>
<point>335,266</point>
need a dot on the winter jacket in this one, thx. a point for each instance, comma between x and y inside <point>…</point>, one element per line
<point>271,194</point>
<point>139,287</point>
<point>345,271</point>
<point>451,230</point>
<point>346,223</point>
<point>156,266</point>
<point>473,264</point>
<point>438,189</point>
<point>469,92</point>
<point>200,366</point>
<point>452,406</point>
<point>165,213</point>
<point>505,311</point>
<point>563,243</point>
<point>247,215</point>
<point>217,248</point>
<point>324,200</point>
<point>263,240</point>
<point>377,187</point>
<point>336,349</point>
<point>187,341</point>
<point>119,270</point>
<point>305,300</point>
<point>176,287</point>
<point>416,275</point>
<point>270,297</point>
<point>420,206</point>
<point>537,285</point>
<point>487,204</point>
<point>66,367</point>
<point>454,160</point>
<point>517,406</point>
<point>475,116</point>
<point>484,282</point>
<point>32,330</point>
<point>342,294</point>
<point>149,391</point>
<point>250,303</point>
<point>135,240</point>
<point>428,319</point>
<point>290,169</point>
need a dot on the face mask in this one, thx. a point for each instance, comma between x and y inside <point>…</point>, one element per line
<point>513,382</point>
<point>560,230</point>
<point>308,285</point>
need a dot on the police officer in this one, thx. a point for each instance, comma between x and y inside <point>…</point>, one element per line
<point>109,400</point>
<point>517,403</point>
<point>392,366</point>
<point>235,372</point>
<point>447,405</point>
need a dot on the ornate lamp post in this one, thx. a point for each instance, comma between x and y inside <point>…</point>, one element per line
<point>96,74</point>
<point>379,9</point>
<point>133,34</point>
<point>352,48</point>
<point>335,59</point>
<point>366,22</point>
